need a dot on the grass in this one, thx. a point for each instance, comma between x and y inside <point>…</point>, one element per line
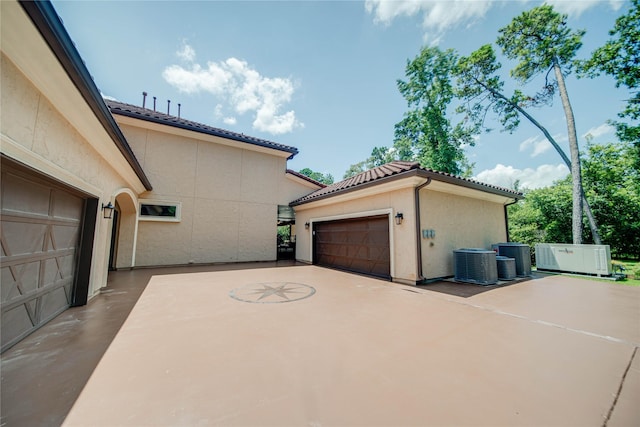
<point>632,269</point>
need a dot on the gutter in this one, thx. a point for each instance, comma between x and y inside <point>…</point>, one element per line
<point>48,23</point>
<point>416,199</point>
<point>506,217</point>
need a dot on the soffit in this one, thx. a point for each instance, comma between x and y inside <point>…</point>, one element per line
<point>24,46</point>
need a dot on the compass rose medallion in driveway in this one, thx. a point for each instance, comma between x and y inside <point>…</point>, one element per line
<point>272,292</point>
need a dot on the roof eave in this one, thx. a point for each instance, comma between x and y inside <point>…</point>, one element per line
<point>470,184</point>
<point>48,23</point>
<point>177,124</point>
<point>420,173</point>
<point>401,175</point>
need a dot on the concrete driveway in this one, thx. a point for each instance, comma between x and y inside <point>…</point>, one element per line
<point>312,346</point>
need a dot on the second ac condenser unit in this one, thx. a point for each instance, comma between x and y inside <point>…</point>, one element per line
<point>506,268</point>
<point>475,266</point>
<point>518,251</point>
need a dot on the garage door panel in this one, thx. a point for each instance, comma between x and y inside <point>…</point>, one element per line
<point>40,224</point>
<point>65,205</point>
<point>20,238</point>
<point>360,245</point>
<point>18,321</point>
<point>23,195</point>
<point>19,280</point>
<point>53,303</point>
<point>64,236</point>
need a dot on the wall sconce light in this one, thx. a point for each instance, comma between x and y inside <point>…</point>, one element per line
<point>399,217</point>
<point>306,225</point>
<point>107,210</point>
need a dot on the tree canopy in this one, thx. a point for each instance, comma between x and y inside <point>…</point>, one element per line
<point>318,176</point>
<point>612,183</point>
<point>619,57</point>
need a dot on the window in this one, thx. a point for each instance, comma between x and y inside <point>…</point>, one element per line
<point>155,210</point>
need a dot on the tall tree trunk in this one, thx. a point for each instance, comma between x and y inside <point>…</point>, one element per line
<point>576,172</point>
<point>593,225</point>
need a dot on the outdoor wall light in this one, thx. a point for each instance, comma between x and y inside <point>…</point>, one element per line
<point>107,210</point>
<point>399,217</point>
<point>306,225</point>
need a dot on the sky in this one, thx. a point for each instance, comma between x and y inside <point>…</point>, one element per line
<point>321,75</point>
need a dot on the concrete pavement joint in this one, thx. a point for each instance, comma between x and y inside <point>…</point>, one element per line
<point>624,377</point>
<point>545,323</point>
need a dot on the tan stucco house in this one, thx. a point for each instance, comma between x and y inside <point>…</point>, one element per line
<point>400,222</point>
<point>90,185</point>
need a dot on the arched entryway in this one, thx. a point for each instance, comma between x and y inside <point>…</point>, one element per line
<point>124,230</point>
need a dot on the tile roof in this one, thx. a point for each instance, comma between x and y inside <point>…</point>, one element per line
<point>166,119</point>
<point>399,169</point>
<point>306,178</point>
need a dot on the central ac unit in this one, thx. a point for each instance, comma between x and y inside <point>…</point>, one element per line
<point>518,251</point>
<point>475,266</point>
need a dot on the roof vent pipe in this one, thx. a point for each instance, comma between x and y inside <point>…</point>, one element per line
<point>144,99</point>
<point>168,106</point>
<point>178,110</point>
<point>154,103</point>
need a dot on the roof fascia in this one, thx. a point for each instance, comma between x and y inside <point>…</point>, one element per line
<point>48,23</point>
<point>402,175</point>
<point>291,152</point>
<point>421,173</point>
<point>469,184</point>
<point>184,132</point>
<point>307,183</point>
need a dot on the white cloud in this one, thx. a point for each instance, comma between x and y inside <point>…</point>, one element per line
<point>536,144</point>
<point>577,7</point>
<point>107,97</point>
<point>506,176</point>
<point>437,16</point>
<point>240,88</point>
<point>598,131</point>
<point>229,120</point>
<point>186,53</point>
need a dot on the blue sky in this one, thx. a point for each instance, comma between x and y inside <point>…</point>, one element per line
<point>321,75</point>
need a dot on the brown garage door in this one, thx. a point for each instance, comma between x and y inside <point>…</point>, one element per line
<point>41,226</point>
<point>360,245</point>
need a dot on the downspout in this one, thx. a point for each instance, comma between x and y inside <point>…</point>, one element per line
<point>506,217</point>
<point>416,198</point>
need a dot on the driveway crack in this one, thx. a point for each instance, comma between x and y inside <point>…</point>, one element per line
<point>624,377</point>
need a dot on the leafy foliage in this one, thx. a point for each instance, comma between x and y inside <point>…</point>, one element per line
<point>425,134</point>
<point>619,57</point>
<point>379,156</point>
<point>542,44</point>
<point>613,189</point>
<point>318,176</point>
<point>539,39</point>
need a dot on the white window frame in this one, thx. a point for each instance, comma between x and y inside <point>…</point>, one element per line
<point>176,218</point>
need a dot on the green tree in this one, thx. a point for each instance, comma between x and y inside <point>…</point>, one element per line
<point>620,58</point>
<point>540,40</point>
<point>318,176</point>
<point>379,156</point>
<point>612,183</point>
<point>425,134</point>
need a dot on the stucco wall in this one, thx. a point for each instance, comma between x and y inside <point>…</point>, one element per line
<point>403,236</point>
<point>459,222</point>
<point>229,198</point>
<point>35,133</point>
